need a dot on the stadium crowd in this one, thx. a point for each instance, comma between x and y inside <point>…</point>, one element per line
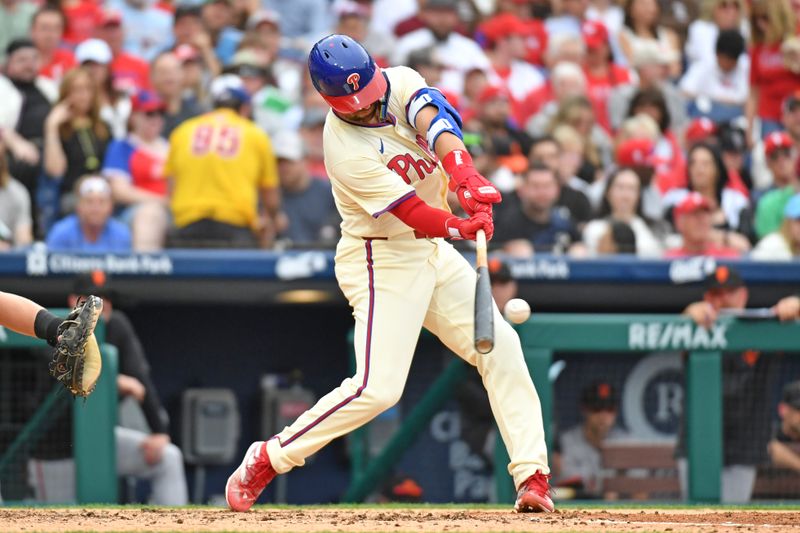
<point>661,128</point>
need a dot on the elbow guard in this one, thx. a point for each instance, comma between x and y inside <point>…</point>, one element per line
<point>446,119</point>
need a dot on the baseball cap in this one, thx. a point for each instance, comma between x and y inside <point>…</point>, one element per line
<point>724,277</point>
<point>792,209</point>
<point>228,87</point>
<point>700,129</point>
<point>777,140</point>
<point>109,17</point>
<point>147,101</point>
<point>651,53</point>
<point>693,202</point>
<point>349,8</point>
<point>501,26</point>
<point>599,395</point>
<point>186,52</point>
<point>637,152</point>
<point>791,394</point>
<point>732,139</point>
<point>492,92</point>
<point>94,50</point>
<point>95,282</point>
<point>594,34</point>
<point>94,185</point>
<point>288,145</point>
<point>264,16</point>
<point>499,271</point>
<point>248,63</point>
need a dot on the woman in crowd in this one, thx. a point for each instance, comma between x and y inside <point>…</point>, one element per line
<point>76,137</point>
<point>715,16</point>
<point>16,224</point>
<point>731,214</point>
<point>668,153</point>
<point>578,113</point>
<point>784,244</point>
<point>622,202</point>
<point>115,106</point>
<point>134,167</point>
<point>642,24</point>
<point>771,23</point>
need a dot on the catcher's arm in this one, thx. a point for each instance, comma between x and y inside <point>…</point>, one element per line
<point>27,317</point>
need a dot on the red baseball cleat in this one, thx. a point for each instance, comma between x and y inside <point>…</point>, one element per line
<point>253,475</point>
<point>533,495</point>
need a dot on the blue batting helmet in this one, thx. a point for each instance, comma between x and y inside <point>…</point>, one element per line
<point>345,74</point>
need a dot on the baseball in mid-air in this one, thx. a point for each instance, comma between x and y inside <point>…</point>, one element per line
<point>517,311</point>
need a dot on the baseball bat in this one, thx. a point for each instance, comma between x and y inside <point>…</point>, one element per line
<point>484,315</point>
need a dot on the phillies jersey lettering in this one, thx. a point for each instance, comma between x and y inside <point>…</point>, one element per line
<point>373,168</point>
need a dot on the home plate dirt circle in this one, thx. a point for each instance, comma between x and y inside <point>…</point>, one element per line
<point>316,519</point>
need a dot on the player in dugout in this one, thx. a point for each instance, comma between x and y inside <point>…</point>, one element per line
<point>745,420</point>
<point>784,448</point>
<point>391,146</point>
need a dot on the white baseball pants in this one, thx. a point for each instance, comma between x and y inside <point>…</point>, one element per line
<point>395,287</point>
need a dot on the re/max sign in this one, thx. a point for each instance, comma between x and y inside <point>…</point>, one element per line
<point>676,336</point>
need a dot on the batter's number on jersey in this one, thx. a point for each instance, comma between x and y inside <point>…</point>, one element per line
<point>224,141</point>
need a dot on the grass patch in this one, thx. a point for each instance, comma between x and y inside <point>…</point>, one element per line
<point>566,505</point>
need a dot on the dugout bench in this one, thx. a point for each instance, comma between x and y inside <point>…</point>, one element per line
<point>544,334</point>
<point>93,422</point>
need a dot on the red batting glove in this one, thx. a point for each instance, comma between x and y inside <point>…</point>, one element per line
<point>467,228</point>
<point>458,165</point>
<point>470,204</point>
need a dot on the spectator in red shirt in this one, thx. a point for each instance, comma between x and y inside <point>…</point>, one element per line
<point>504,37</point>
<point>602,74</point>
<point>772,21</point>
<point>47,30</point>
<point>135,169</point>
<point>129,73</point>
<point>693,222</point>
<point>81,17</point>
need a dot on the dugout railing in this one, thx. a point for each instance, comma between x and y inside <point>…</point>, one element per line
<point>93,422</point>
<point>545,334</point>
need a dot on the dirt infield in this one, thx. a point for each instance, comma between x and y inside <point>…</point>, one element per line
<point>395,520</point>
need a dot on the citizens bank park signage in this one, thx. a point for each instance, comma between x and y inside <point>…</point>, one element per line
<point>40,263</point>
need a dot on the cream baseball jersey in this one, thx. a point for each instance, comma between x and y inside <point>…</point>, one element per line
<point>374,168</point>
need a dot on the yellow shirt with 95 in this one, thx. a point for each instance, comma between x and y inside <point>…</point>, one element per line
<point>218,162</point>
<point>374,168</point>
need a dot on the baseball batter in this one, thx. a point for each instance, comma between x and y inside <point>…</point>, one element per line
<point>392,145</point>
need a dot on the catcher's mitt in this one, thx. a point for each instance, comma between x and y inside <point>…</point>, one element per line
<point>76,360</point>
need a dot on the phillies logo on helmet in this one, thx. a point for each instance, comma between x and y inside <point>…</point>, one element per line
<point>353,80</point>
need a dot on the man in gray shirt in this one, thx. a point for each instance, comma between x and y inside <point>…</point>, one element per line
<point>577,458</point>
